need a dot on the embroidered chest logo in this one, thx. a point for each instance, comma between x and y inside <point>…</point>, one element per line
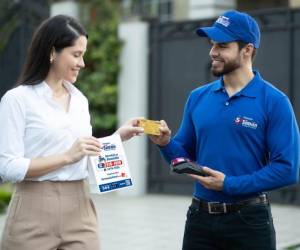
<point>245,122</point>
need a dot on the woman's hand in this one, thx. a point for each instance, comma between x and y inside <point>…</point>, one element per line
<point>82,147</point>
<point>164,137</point>
<point>130,129</point>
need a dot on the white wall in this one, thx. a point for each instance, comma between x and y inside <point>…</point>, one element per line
<point>201,9</point>
<point>133,98</point>
<point>68,7</point>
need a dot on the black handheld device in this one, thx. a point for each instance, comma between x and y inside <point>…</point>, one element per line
<point>186,166</point>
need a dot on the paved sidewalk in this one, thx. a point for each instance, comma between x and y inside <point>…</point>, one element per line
<point>157,222</point>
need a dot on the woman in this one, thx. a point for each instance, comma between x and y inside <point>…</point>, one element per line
<point>45,139</point>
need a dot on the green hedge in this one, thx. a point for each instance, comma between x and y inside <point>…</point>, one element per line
<point>5,195</point>
<point>98,80</point>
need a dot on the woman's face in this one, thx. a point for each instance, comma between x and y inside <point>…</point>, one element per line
<point>68,62</point>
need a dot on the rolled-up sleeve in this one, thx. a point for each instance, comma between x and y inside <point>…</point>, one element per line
<point>13,164</point>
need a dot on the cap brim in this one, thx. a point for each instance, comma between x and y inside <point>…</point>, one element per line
<point>216,34</point>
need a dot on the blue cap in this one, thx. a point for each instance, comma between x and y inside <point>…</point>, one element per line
<point>233,26</point>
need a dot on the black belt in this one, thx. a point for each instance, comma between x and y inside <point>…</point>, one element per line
<point>223,208</point>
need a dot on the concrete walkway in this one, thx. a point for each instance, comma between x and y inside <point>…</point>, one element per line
<point>157,221</point>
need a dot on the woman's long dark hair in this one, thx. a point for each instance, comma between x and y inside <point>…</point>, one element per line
<point>56,33</point>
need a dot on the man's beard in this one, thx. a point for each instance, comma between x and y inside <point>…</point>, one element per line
<point>228,68</point>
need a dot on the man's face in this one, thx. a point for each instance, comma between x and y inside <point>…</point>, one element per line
<point>226,58</point>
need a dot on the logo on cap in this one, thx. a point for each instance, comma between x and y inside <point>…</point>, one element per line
<point>223,20</point>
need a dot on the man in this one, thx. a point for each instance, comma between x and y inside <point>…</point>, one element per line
<point>244,131</point>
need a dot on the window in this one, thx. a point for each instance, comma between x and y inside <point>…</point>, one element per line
<point>162,9</point>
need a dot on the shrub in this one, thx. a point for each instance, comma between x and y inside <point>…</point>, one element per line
<point>98,81</point>
<point>5,195</point>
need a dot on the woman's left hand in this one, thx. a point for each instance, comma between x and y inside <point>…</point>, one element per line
<point>130,129</point>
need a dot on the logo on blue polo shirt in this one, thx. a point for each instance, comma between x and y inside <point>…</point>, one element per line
<point>245,122</point>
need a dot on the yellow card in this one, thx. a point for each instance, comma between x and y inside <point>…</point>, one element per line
<point>150,126</point>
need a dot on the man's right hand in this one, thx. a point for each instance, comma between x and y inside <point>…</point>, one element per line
<point>165,135</point>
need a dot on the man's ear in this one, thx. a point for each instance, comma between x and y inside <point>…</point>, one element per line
<point>248,50</point>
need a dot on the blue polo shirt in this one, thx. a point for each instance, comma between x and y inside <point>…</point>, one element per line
<point>252,137</point>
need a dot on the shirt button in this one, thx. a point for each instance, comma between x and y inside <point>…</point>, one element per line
<point>226,103</point>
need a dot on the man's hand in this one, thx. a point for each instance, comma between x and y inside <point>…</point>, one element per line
<point>164,137</point>
<point>214,180</point>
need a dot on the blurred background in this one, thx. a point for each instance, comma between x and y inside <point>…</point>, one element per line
<point>144,58</point>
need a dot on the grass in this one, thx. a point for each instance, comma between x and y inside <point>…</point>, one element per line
<point>5,195</point>
<point>297,247</point>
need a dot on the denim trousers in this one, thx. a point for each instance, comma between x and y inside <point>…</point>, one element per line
<point>249,228</point>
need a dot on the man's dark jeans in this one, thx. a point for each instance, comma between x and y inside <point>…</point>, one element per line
<point>249,228</point>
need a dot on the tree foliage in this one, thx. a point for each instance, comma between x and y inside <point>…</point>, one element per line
<point>5,195</point>
<point>98,80</point>
<point>8,22</point>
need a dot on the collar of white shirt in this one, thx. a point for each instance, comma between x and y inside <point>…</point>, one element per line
<point>43,89</point>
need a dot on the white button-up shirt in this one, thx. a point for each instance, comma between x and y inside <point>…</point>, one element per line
<point>32,125</point>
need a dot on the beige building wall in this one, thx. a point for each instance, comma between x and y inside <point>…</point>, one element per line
<point>294,3</point>
<point>180,9</point>
<point>200,9</point>
<point>197,9</point>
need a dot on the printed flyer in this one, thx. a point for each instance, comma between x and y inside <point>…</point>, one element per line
<point>109,171</point>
